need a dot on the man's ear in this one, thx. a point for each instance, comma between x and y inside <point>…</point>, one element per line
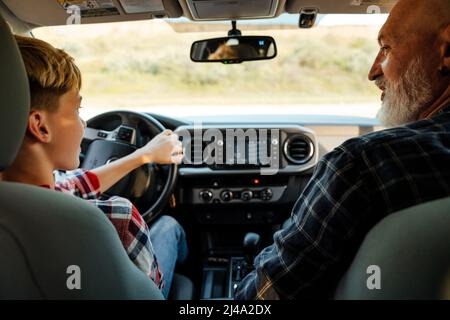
<point>38,127</point>
<point>445,51</point>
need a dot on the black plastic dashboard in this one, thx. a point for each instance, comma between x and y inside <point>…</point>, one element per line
<point>245,169</point>
<point>251,191</point>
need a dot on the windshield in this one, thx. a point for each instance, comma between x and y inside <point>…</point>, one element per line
<point>146,66</point>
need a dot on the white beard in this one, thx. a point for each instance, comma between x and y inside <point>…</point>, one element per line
<point>405,101</point>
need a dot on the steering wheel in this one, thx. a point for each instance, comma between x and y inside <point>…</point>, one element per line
<point>113,135</point>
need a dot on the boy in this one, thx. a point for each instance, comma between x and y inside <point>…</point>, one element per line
<point>52,142</point>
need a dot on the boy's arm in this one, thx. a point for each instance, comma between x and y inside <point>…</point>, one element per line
<point>165,148</point>
<point>110,173</point>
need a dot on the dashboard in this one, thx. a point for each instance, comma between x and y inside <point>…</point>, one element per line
<point>251,148</point>
<point>230,190</point>
<point>247,169</point>
<point>240,175</point>
<point>243,164</point>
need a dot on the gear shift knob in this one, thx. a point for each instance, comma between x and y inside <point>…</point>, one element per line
<point>251,246</point>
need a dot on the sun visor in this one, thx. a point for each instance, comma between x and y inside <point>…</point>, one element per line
<point>172,7</point>
<point>341,6</point>
<point>57,12</point>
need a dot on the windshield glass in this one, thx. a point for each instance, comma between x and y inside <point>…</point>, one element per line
<point>146,66</point>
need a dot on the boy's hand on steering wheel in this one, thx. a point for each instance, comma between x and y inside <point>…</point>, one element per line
<point>165,148</point>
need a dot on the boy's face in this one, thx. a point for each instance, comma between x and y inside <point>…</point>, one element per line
<point>67,129</point>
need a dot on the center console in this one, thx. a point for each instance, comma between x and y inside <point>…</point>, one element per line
<point>249,189</point>
<point>247,149</point>
<point>222,276</point>
<point>227,180</point>
<point>237,179</point>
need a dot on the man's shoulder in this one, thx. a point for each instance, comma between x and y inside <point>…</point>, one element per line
<point>417,134</point>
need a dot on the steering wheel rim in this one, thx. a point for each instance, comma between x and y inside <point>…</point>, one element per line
<point>127,118</point>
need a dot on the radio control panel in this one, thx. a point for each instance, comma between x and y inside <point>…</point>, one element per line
<point>236,195</point>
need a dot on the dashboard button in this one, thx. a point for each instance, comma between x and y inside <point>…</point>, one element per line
<point>226,195</point>
<point>247,195</point>
<point>206,195</point>
<point>266,194</point>
<point>125,134</point>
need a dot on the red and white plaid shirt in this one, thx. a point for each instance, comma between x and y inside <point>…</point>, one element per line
<point>131,228</point>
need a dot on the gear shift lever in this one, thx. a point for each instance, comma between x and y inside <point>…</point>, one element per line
<point>251,246</point>
<point>241,267</point>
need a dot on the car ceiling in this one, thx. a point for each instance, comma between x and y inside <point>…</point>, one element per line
<point>51,12</point>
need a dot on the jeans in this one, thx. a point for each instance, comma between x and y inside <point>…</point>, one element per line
<point>169,243</point>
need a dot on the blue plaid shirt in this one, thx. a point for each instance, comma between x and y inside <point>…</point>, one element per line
<point>352,188</point>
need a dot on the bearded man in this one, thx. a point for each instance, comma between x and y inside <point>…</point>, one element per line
<point>369,177</point>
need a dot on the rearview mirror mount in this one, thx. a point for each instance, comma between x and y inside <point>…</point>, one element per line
<point>307,18</point>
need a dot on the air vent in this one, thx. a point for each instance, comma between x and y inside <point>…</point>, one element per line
<point>298,149</point>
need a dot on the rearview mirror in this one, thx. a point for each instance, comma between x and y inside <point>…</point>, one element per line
<point>234,49</point>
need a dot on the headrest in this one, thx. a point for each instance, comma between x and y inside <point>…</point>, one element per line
<point>14,97</point>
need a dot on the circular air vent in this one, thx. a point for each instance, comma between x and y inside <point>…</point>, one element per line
<point>298,149</point>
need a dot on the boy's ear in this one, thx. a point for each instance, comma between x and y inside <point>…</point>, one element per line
<point>38,127</point>
<point>445,51</point>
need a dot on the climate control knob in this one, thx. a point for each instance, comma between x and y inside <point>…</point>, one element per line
<point>226,195</point>
<point>247,195</point>
<point>206,195</point>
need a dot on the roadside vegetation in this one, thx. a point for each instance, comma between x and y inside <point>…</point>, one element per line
<point>147,63</point>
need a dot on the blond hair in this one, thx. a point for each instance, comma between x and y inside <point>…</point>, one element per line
<point>51,72</point>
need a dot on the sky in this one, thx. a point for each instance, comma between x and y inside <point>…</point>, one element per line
<point>356,19</point>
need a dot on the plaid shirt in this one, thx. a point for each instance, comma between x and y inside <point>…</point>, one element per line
<point>131,228</point>
<point>352,188</point>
